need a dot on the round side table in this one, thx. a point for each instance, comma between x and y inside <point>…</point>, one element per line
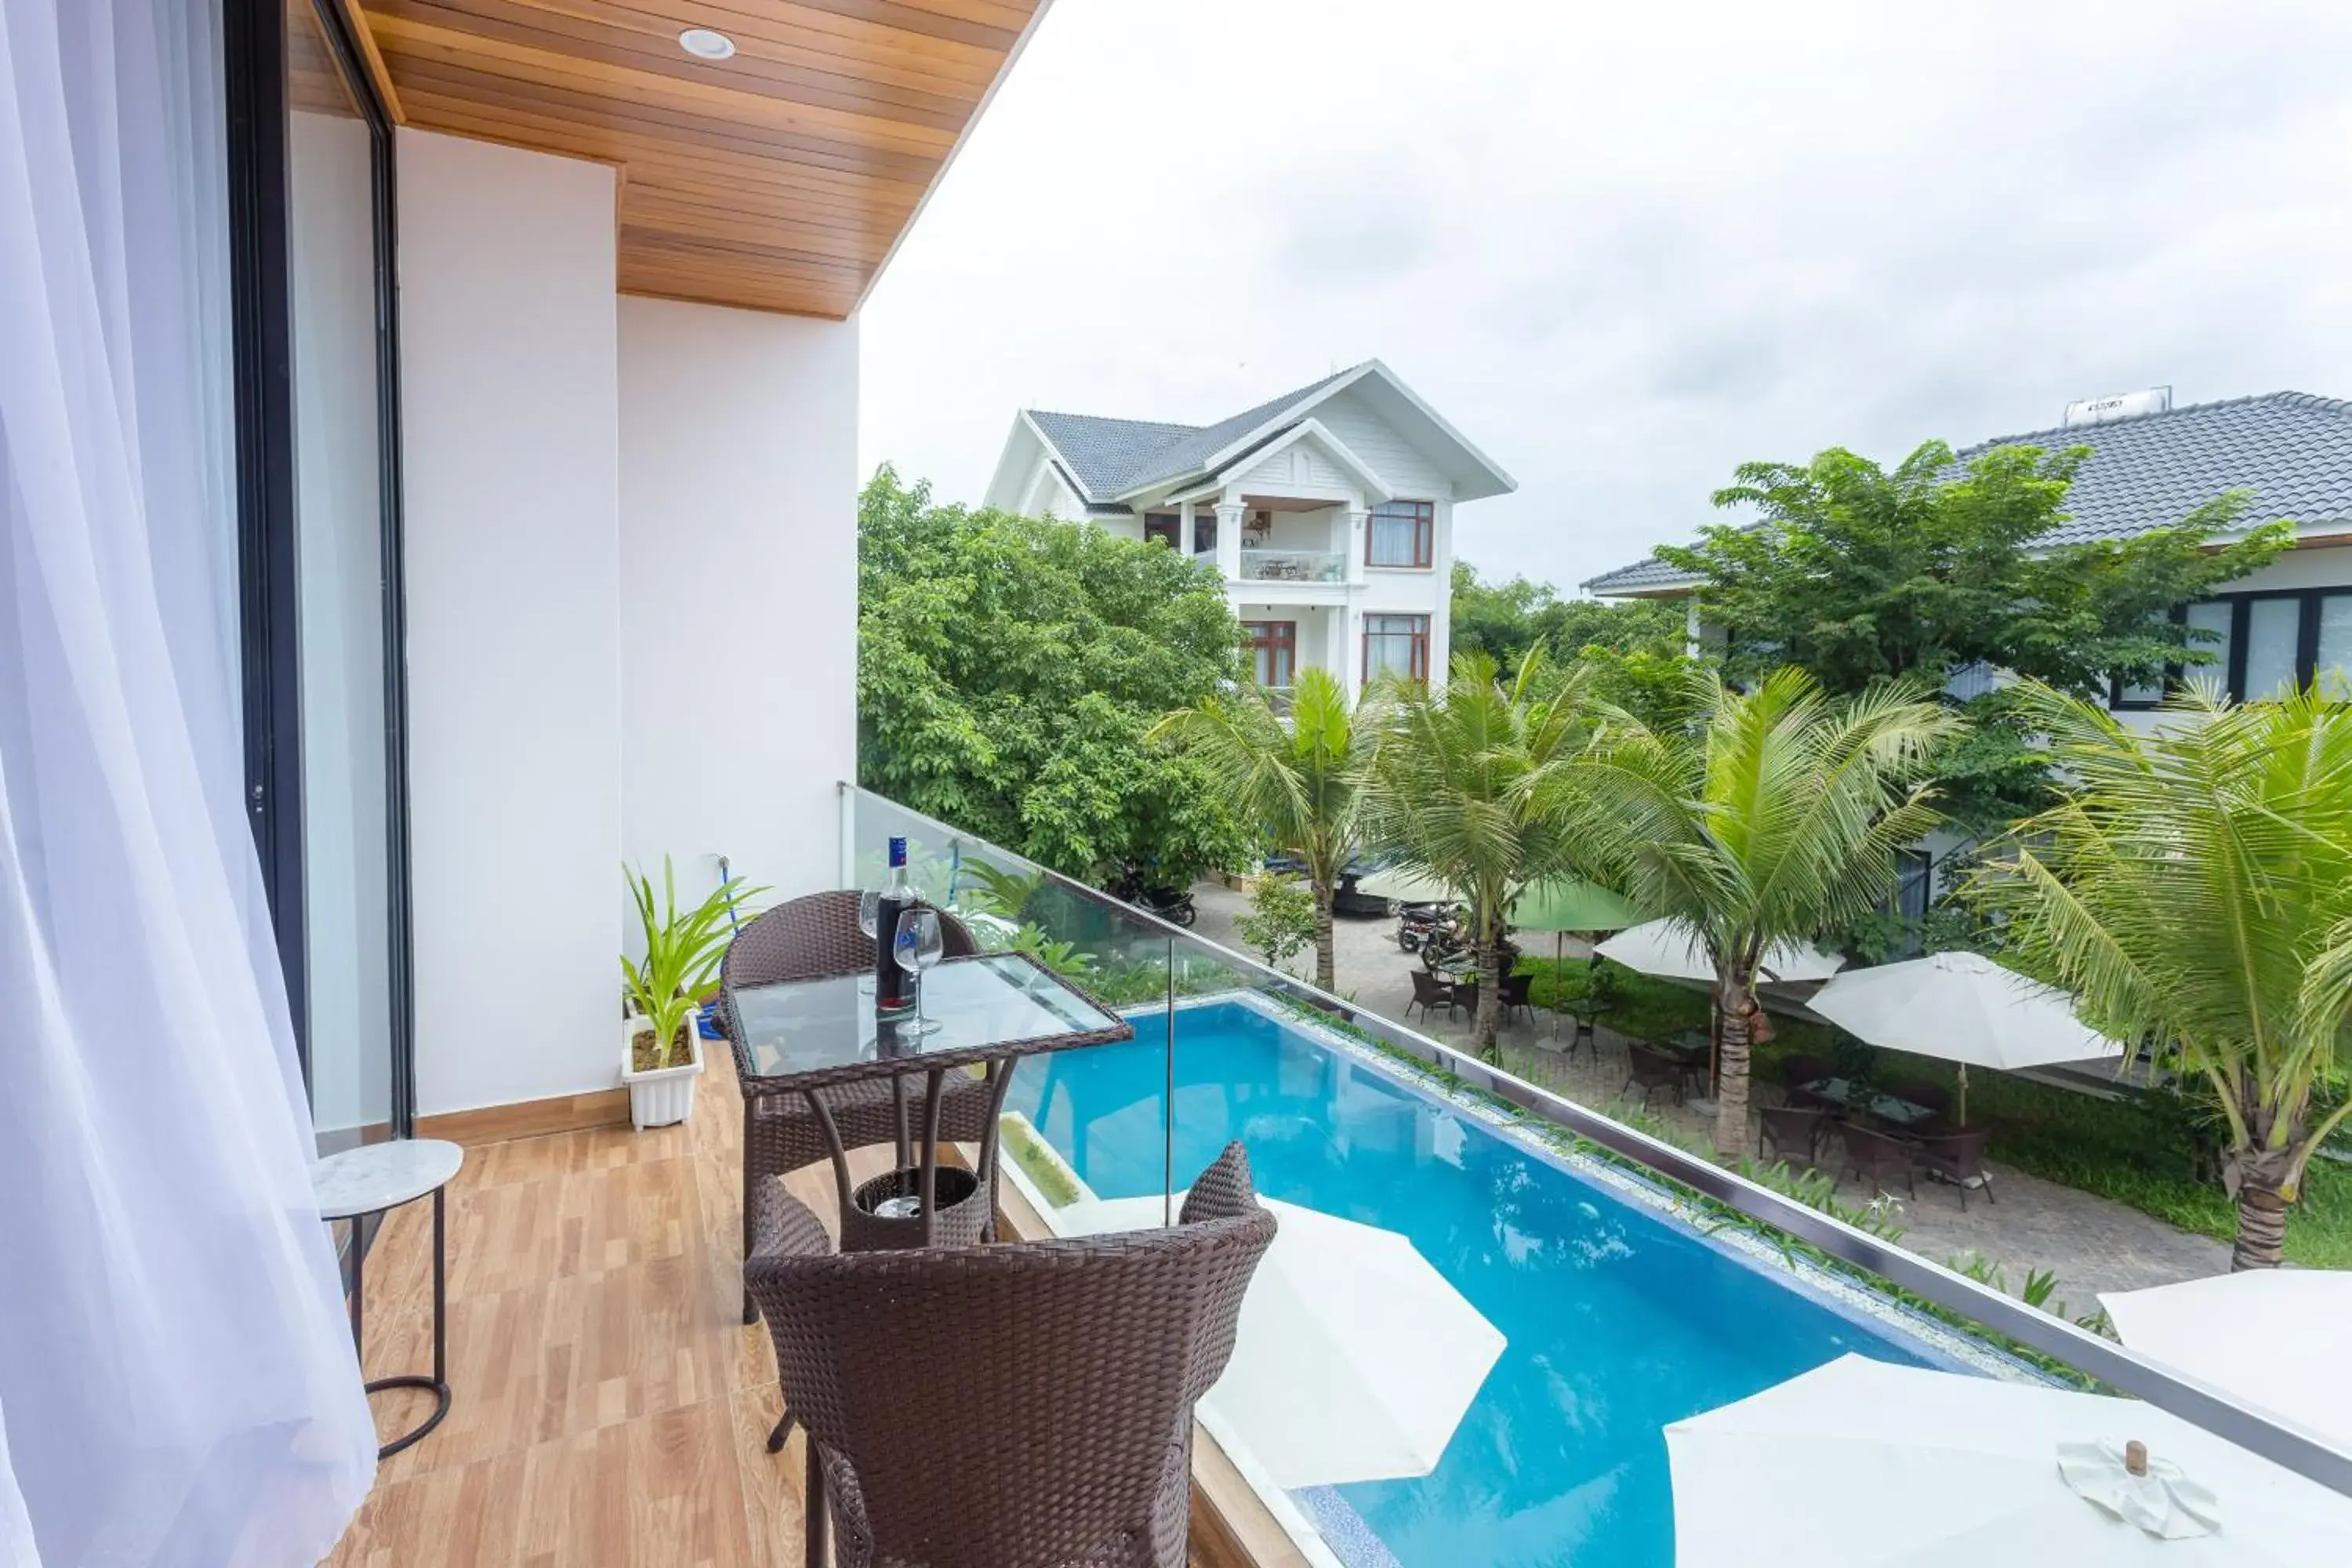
<point>371,1179</point>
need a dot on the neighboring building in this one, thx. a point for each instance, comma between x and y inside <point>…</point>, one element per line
<point>1328,510</point>
<point>2286,623</point>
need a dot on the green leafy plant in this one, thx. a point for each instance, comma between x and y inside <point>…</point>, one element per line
<point>1296,777</point>
<point>2194,889</point>
<point>1773,819</point>
<point>999,890</point>
<point>683,947</point>
<point>1283,919</point>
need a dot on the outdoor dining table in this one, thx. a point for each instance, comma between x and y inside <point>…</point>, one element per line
<point>805,1036</point>
<point>1886,1107</point>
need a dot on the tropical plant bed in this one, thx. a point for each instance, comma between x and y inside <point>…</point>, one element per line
<point>2138,1151</point>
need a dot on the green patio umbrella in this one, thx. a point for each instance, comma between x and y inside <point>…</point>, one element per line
<point>1563,904</point>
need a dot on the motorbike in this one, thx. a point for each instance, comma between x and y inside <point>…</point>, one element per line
<point>1416,921</point>
<point>1174,905</point>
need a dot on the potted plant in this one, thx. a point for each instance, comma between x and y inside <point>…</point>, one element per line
<point>660,1054</point>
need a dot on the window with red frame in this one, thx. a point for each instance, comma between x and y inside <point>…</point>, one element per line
<point>1273,651</point>
<point>1396,645</point>
<point>1402,533</point>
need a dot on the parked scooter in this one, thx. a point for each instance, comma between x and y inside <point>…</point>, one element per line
<point>1416,921</point>
<point>1174,905</point>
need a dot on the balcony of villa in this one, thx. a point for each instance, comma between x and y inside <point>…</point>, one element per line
<point>1571,1285</point>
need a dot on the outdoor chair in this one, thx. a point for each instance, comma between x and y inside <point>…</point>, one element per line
<point>1789,1127</point>
<point>1025,1403</point>
<point>1515,998</point>
<point>1875,1157</point>
<point>1428,993</point>
<point>1798,1071</point>
<point>1462,994</point>
<point>1958,1157</point>
<point>809,939</point>
<point>1652,1071</point>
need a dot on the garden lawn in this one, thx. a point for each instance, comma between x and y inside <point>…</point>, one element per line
<point>2141,1151</point>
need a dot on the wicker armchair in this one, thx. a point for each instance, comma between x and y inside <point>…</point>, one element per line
<point>1958,1158</point>
<point>1876,1157</point>
<point>1788,1127</point>
<point>1011,1407</point>
<point>1653,1071</point>
<point>808,939</point>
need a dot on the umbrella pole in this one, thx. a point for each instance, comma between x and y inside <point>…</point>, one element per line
<point>1559,975</point>
<point>1964,1094</point>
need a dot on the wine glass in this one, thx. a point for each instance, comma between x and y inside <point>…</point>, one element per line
<point>869,917</point>
<point>919,946</point>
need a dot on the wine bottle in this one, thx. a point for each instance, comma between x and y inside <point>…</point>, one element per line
<point>894,988</point>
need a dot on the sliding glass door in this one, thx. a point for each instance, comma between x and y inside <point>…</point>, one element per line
<point>321,511</point>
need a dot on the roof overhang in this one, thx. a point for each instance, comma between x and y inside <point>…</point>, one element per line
<point>1474,475</point>
<point>781,179</point>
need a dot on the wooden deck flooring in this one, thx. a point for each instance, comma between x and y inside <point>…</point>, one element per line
<point>610,1408</point>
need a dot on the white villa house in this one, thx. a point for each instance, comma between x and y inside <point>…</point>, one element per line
<point>2286,625</point>
<point>1329,512</point>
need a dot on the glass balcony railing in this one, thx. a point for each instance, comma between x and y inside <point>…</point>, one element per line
<point>1294,566</point>
<point>1484,1301</point>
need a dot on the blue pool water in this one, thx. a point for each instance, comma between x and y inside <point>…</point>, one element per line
<point>1620,1320</point>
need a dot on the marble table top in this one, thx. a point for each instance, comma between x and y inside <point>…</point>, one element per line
<point>382,1175</point>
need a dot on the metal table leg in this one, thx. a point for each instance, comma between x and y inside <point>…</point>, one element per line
<point>438,1384</point>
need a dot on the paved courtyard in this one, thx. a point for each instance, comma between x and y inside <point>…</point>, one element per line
<point>2092,1243</point>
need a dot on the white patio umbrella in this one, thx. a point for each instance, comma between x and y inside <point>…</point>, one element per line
<point>2277,1337</point>
<point>1962,1007</point>
<point>1355,1360</point>
<point>1672,951</point>
<point>1862,1463</point>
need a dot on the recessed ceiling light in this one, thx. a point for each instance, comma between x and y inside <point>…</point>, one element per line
<point>705,44</point>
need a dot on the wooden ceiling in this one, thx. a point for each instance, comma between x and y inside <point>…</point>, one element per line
<point>777,180</point>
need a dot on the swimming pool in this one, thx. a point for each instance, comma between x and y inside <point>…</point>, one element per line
<point>1619,1318</point>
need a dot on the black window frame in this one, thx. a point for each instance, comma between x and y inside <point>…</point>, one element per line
<point>2233,670</point>
<point>1165,527</point>
<point>254,36</point>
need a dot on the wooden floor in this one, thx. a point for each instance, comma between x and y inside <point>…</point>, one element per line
<point>611,1410</point>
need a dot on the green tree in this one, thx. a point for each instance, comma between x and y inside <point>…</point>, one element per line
<point>1008,670</point>
<point>1858,575</point>
<point>1457,791</point>
<point>1504,620</point>
<point>1298,783</point>
<point>1281,918</point>
<point>1773,819</point>
<point>2194,889</point>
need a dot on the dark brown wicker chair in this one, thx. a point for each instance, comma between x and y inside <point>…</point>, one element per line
<point>1796,1071</point>
<point>1429,992</point>
<point>1011,1407</point>
<point>1874,1157</point>
<point>1463,993</point>
<point>1516,997</point>
<point>1790,1127</point>
<point>1958,1157</point>
<point>808,939</point>
<point>1653,1071</point>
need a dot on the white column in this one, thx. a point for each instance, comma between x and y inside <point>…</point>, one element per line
<point>1440,572</point>
<point>1691,629</point>
<point>1184,529</point>
<point>1229,537</point>
<point>1348,530</point>
<point>1343,646</point>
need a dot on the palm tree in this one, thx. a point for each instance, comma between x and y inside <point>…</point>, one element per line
<point>1457,791</point>
<point>2195,889</point>
<point>1299,782</point>
<point>1774,817</point>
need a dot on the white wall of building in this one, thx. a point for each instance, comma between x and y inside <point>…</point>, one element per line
<point>738,591</point>
<point>509,368</point>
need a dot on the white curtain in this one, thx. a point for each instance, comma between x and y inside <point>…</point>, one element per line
<point>177,1385</point>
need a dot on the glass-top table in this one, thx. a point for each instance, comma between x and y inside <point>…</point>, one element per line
<point>995,1005</point>
<point>804,1036</point>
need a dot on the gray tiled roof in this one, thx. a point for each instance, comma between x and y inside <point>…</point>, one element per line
<point>1113,457</point>
<point>2291,450</point>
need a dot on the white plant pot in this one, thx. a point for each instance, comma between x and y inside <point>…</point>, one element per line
<point>665,1096</point>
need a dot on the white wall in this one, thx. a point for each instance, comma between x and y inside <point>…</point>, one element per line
<point>738,582</point>
<point>510,419</point>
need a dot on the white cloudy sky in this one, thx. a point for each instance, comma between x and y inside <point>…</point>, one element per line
<point>1626,246</point>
